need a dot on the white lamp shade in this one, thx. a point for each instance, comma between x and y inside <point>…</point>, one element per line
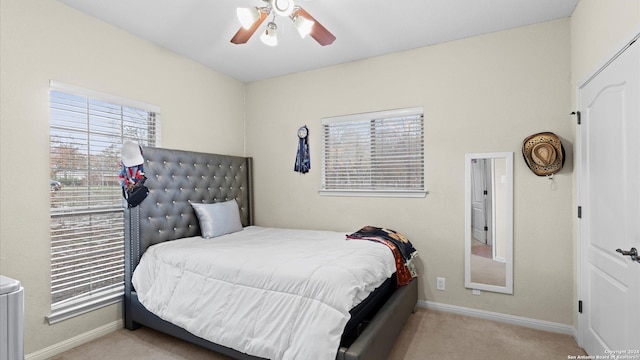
<point>303,25</point>
<point>269,35</point>
<point>247,16</point>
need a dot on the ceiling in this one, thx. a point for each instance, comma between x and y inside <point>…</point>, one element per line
<point>202,29</point>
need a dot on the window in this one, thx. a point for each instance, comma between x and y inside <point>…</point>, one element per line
<point>374,154</point>
<point>87,130</point>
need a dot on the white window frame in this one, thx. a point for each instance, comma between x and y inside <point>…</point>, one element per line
<point>415,189</point>
<point>93,299</point>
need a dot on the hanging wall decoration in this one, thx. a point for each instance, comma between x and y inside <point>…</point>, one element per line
<point>131,174</point>
<point>543,153</point>
<point>303,158</point>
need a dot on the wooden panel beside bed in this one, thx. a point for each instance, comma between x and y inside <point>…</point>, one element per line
<point>177,178</point>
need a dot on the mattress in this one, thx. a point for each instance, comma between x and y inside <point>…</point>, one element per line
<point>272,293</point>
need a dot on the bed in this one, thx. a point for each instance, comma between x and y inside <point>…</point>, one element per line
<point>176,179</point>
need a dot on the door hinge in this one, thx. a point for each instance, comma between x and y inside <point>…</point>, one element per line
<point>580,306</point>
<point>486,228</point>
<point>579,212</point>
<point>577,114</point>
<point>486,192</point>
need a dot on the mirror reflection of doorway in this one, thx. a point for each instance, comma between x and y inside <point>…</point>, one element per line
<point>481,208</point>
<point>488,234</point>
<point>489,221</point>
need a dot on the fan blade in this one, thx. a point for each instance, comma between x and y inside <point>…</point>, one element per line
<point>318,32</point>
<point>243,35</point>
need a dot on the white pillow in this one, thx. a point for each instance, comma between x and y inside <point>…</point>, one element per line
<point>218,218</point>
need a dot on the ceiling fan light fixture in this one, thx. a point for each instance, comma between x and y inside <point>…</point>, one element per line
<point>253,17</point>
<point>269,36</point>
<point>303,25</point>
<point>248,16</point>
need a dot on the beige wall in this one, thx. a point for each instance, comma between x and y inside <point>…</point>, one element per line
<point>45,40</point>
<point>481,94</point>
<point>599,29</point>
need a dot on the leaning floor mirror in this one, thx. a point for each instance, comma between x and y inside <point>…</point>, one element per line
<point>489,222</point>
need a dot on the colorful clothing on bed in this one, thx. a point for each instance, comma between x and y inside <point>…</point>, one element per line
<point>403,250</point>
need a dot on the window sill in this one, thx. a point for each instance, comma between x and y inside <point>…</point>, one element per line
<point>375,193</point>
<point>67,311</point>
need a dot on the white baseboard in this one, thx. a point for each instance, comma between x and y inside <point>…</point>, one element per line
<point>63,346</point>
<point>504,318</point>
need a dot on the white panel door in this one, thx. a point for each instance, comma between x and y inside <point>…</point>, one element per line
<point>609,196</point>
<point>479,200</point>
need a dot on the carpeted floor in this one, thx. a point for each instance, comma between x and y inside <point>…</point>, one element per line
<point>427,335</point>
<point>488,271</point>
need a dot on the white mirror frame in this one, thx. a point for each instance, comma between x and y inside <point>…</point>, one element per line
<point>508,218</point>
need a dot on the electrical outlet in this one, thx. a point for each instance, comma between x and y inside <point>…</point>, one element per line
<point>440,283</point>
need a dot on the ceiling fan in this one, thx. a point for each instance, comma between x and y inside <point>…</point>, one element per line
<point>252,17</point>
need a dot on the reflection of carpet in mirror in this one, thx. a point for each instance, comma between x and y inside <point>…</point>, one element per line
<point>487,271</point>
<point>480,249</point>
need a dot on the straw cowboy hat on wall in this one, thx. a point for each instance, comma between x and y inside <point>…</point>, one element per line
<point>543,153</point>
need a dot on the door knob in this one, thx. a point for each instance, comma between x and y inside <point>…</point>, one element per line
<point>633,253</point>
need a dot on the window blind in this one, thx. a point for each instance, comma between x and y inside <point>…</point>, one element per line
<point>87,130</point>
<point>380,152</point>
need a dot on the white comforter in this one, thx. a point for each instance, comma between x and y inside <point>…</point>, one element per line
<point>272,293</point>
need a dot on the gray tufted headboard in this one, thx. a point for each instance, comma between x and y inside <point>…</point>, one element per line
<point>175,179</point>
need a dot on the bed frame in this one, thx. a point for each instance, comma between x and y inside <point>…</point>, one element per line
<point>176,178</point>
